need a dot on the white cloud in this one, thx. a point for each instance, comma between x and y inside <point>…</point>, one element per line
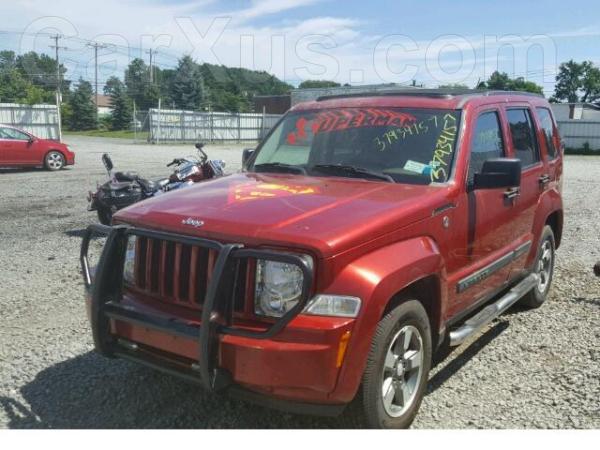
<point>339,44</point>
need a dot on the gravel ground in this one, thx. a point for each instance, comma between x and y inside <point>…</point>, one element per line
<point>529,369</point>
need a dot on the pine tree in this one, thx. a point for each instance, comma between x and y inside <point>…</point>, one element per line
<point>84,112</point>
<point>187,85</point>
<point>121,115</point>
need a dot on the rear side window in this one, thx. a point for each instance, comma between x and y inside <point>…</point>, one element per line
<point>523,136</point>
<point>487,142</point>
<point>548,129</point>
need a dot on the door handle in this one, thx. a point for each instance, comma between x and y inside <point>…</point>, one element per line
<point>544,180</point>
<point>513,193</point>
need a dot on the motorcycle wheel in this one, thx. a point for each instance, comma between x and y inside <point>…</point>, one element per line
<point>104,215</point>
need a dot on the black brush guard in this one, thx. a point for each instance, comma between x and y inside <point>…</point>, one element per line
<point>106,287</point>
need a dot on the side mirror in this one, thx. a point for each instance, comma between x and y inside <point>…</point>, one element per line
<point>246,155</point>
<point>498,173</point>
<point>31,140</point>
<point>107,162</point>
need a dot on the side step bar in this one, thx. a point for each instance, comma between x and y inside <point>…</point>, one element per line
<point>490,312</point>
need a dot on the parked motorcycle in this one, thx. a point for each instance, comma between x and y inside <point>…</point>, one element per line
<point>126,188</point>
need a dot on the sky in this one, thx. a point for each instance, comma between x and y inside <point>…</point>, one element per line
<point>356,42</point>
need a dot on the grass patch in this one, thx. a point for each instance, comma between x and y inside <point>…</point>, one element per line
<point>121,134</point>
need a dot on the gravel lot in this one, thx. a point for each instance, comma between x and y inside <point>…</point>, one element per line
<point>529,369</point>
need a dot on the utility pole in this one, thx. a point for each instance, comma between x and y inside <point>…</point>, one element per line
<point>96,46</point>
<point>151,52</point>
<point>57,47</point>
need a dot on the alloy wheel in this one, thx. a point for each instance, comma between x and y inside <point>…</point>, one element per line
<point>402,371</point>
<point>544,266</point>
<point>54,160</point>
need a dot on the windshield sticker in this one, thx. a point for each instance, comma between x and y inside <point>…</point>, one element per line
<point>344,119</point>
<point>416,167</point>
<point>444,148</point>
<point>399,134</point>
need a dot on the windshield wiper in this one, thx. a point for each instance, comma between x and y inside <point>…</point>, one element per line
<point>339,169</point>
<point>279,167</point>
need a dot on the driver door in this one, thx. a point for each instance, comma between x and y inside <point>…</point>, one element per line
<point>489,234</point>
<point>16,147</point>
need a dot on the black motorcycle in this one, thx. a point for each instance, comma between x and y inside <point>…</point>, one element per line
<point>126,188</point>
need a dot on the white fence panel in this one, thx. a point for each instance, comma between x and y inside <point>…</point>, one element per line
<point>189,126</point>
<point>576,133</point>
<point>40,120</point>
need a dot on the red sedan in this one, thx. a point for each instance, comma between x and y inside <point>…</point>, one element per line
<point>19,148</point>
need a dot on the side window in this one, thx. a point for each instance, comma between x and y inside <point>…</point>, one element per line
<point>4,133</point>
<point>523,136</point>
<point>11,133</point>
<point>487,142</point>
<point>548,129</point>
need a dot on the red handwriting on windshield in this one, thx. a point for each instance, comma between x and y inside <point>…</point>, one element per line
<point>344,119</point>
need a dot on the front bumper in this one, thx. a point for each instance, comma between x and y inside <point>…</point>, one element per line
<point>289,365</point>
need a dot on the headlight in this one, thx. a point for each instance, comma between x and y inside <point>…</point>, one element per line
<point>129,264</point>
<point>278,287</point>
<point>333,305</point>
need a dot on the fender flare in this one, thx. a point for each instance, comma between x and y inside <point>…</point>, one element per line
<point>376,278</point>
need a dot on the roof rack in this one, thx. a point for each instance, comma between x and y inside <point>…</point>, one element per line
<point>432,93</point>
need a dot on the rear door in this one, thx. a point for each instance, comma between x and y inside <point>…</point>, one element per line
<point>550,141</point>
<point>524,145</point>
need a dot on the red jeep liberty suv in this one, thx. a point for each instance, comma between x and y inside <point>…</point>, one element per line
<point>363,234</point>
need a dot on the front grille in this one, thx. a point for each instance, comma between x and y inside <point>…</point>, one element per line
<point>177,273</point>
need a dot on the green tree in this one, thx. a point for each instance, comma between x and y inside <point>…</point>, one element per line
<point>139,88</point>
<point>40,70</point>
<point>311,84</point>
<point>84,114</point>
<point>502,82</point>
<point>111,84</point>
<point>187,85</point>
<point>121,115</point>
<point>577,82</point>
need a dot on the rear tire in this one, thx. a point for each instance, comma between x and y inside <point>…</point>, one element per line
<point>397,371</point>
<point>544,268</point>
<point>54,160</point>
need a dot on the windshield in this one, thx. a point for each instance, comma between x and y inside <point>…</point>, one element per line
<point>386,144</point>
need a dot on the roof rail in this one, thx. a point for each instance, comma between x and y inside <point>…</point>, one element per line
<point>432,93</point>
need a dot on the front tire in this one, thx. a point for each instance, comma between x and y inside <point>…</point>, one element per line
<point>54,161</point>
<point>398,366</point>
<point>544,269</point>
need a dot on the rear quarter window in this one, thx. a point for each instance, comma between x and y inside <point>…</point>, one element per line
<point>523,136</point>
<point>548,130</point>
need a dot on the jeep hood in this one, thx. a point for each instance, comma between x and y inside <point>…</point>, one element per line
<point>327,215</point>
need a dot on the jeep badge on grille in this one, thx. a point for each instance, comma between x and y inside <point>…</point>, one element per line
<point>196,223</point>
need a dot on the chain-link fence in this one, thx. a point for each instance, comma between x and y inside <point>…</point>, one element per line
<point>188,126</point>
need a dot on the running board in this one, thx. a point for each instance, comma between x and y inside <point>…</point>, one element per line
<point>490,312</point>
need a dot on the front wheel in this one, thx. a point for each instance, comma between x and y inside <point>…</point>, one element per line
<point>54,161</point>
<point>398,366</point>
